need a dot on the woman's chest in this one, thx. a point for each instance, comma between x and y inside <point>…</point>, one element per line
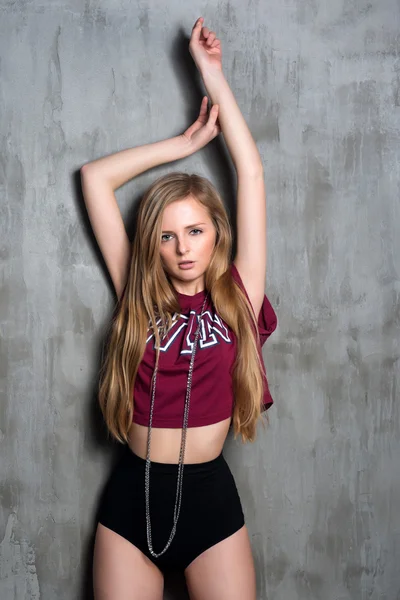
<point>216,341</point>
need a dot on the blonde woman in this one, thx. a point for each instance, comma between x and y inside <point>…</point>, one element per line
<point>183,361</point>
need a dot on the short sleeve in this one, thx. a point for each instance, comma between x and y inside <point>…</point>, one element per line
<point>267,319</point>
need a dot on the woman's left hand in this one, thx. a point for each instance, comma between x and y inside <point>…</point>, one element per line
<point>204,129</point>
<point>205,47</point>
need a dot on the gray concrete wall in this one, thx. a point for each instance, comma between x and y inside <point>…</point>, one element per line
<point>318,83</point>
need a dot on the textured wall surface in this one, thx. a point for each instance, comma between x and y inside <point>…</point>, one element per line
<point>319,85</point>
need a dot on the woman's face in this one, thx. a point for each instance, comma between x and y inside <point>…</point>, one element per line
<point>188,234</point>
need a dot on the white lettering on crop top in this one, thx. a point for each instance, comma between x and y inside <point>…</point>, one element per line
<point>213,329</point>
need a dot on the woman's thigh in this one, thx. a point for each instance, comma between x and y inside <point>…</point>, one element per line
<point>224,571</point>
<point>121,571</point>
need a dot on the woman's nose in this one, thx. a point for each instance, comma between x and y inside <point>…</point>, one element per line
<point>182,246</point>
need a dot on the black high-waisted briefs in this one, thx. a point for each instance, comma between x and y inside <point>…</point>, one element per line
<point>211,509</point>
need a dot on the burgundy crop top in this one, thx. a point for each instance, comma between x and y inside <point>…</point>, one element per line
<point>212,389</point>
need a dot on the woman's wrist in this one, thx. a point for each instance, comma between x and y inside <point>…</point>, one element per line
<point>211,74</point>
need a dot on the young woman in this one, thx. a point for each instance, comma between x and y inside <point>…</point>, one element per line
<point>184,360</point>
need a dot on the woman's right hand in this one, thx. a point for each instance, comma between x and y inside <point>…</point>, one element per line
<point>204,129</point>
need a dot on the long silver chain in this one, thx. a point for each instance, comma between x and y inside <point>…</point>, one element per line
<point>179,487</point>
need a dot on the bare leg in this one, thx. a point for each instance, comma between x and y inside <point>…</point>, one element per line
<point>121,571</point>
<point>224,571</point>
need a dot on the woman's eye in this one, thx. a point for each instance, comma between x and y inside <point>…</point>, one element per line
<point>167,235</point>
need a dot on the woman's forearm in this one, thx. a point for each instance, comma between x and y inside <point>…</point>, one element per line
<point>240,142</point>
<point>118,168</point>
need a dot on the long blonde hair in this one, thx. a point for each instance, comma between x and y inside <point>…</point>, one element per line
<point>149,297</point>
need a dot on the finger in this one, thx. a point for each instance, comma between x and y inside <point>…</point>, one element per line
<point>216,131</point>
<point>196,30</point>
<point>198,23</point>
<point>211,38</point>
<point>203,106</point>
<point>213,115</point>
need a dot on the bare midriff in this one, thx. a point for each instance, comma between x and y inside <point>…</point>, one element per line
<point>202,443</point>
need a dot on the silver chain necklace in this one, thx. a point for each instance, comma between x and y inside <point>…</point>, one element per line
<point>178,498</point>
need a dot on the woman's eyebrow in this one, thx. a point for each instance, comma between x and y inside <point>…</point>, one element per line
<point>187,227</point>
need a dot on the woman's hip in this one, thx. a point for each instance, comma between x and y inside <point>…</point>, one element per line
<point>210,506</point>
<point>207,486</point>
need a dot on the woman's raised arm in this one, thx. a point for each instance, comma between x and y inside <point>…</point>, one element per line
<point>101,177</point>
<point>251,256</point>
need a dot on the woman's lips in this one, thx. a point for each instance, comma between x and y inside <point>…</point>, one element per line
<point>187,265</point>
